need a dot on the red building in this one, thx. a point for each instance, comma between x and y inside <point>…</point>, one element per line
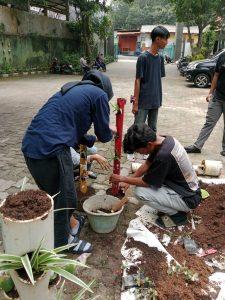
<point>127,41</point>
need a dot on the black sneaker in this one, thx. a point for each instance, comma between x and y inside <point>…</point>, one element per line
<point>222,153</point>
<point>192,149</point>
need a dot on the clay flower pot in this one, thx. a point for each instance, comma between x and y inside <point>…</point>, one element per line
<point>24,236</point>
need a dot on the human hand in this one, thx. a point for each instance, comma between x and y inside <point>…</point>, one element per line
<point>124,186</point>
<point>134,108</point>
<point>209,97</point>
<point>114,178</point>
<point>102,161</point>
<point>113,129</point>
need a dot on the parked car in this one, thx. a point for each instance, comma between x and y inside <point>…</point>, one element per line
<point>201,72</point>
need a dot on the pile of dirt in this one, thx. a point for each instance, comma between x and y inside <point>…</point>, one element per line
<point>210,232</point>
<point>169,287</point>
<point>26,205</point>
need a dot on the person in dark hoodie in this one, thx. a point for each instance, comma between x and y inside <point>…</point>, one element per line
<point>62,123</point>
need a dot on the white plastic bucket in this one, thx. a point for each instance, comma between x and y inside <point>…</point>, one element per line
<point>20,237</point>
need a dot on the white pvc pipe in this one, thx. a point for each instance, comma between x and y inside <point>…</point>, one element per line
<point>21,237</point>
<point>38,291</point>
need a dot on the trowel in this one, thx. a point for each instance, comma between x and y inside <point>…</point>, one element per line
<point>118,205</point>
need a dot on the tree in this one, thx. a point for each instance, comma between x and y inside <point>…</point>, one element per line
<point>196,12</point>
<point>87,11</point>
<point>142,12</point>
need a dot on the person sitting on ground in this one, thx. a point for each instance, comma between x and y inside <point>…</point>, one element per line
<point>91,156</point>
<point>99,62</point>
<point>166,181</point>
<point>84,64</point>
<point>60,124</point>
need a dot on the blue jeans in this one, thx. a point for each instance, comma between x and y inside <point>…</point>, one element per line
<point>152,115</point>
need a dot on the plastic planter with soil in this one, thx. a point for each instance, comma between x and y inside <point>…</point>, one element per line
<point>98,210</point>
<point>27,218</point>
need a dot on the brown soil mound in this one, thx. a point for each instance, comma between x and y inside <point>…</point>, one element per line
<point>26,205</point>
<point>210,232</point>
<point>169,287</point>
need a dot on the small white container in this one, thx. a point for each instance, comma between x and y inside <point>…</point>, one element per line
<point>210,168</point>
<point>135,167</point>
<point>20,237</point>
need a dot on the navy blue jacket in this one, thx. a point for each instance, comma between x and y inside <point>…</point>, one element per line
<point>65,119</point>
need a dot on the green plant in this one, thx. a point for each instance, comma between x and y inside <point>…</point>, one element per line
<point>2,27</point>
<point>6,68</point>
<point>6,283</point>
<point>189,275</point>
<point>109,59</point>
<point>199,56</point>
<point>42,260</point>
<point>73,59</point>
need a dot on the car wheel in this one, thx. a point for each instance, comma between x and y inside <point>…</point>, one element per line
<point>201,80</point>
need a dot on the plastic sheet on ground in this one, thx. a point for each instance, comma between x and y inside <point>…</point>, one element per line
<point>138,231</point>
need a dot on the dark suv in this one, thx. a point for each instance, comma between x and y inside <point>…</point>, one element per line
<point>201,72</point>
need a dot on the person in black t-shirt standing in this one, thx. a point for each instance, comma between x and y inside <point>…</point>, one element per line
<point>166,181</point>
<point>216,108</point>
<point>148,86</point>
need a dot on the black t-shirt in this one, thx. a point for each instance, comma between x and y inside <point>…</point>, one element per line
<point>150,68</point>
<point>220,68</point>
<point>171,166</point>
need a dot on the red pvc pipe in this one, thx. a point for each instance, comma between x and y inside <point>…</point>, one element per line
<point>118,142</point>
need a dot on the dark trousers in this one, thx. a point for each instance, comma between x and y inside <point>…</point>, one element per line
<point>55,175</point>
<point>151,114</point>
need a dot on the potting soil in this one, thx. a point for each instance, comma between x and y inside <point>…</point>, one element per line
<point>26,205</point>
<point>13,294</point>
<point>210,232</point>
<point>153,264</point>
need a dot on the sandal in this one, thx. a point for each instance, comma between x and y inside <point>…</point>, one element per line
<point>80,247</point>
<point>177,219</point>
<point>81,220</point>
<point>92,175</point>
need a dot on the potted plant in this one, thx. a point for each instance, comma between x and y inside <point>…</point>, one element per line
<point>31,272</point>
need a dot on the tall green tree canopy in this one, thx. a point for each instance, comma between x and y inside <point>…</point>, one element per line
<point>130,14</point>
<point>198,12</point>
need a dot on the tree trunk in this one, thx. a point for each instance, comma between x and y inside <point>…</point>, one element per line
<point>199,45</point>
<point>179,38</point>
<point>190,38</point>
<point>87,38</point>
